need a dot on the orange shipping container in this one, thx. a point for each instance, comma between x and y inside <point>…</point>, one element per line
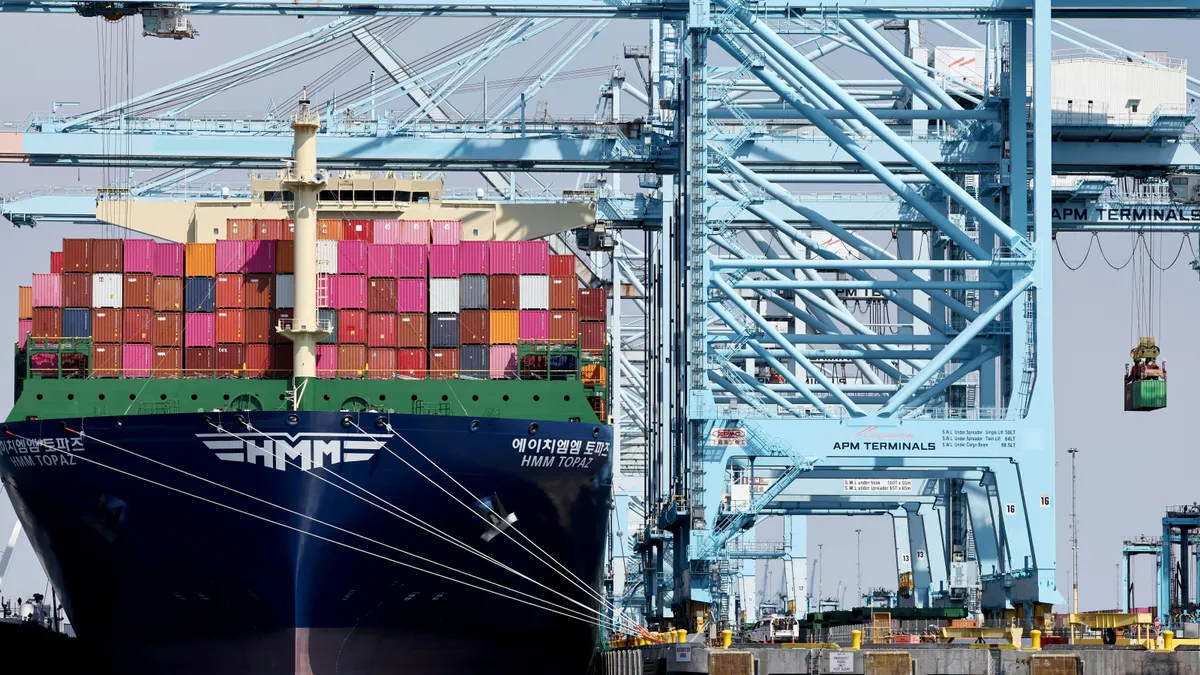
<point>138,291</point>
<point>168,329</point>
<point>258,360</point>
<point>239,228</point>
<point>137,326</point>
<point>258,326</point>
<point>106,360</point>
<point>260,291</point>
<point>285,257</point>
<point>166,363</point>
<point>563,292</point>
<point>231,291</point>
<point>200,260</point>
<point>443,364</point>
<point>330,229</point>
<point>410,330</point>
<point>168,294</point>
<point>106,325</point>
<point>504,326</point>
<point>25,302</point>
<point>352,360</point>
<point>107,255</point>
<point>231,326</point>
<point>47,322</point>
<point>564,326</point>
<point>594,373</point>
<point>77,256</point>
<point>381,363</point>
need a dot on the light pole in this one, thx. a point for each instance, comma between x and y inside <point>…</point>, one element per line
<point>858,564</point>
<point>1074,539</point>
<point>820,574</point>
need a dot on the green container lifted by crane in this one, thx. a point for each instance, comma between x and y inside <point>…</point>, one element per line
<point>1145,380</point>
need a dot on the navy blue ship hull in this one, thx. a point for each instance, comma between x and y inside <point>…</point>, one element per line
<point>273,558</point>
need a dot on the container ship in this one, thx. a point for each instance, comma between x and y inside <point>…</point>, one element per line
<point>317,445</point>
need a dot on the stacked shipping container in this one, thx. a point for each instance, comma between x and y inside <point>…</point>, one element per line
<point>404,298</point>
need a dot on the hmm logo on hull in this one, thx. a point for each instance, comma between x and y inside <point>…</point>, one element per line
<point>304,451</point>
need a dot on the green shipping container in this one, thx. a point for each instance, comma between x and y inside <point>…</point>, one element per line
<point>1146,395</point>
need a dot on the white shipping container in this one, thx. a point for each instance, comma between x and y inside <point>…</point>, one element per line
<point>106,290</point>
<point>285,291</point>
<point>327,256</point>
<point>443,295</point>
<point>535,291</point>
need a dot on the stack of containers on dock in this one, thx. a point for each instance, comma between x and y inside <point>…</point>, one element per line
<point>445,290</point>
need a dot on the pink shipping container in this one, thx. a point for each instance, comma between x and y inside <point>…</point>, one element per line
<point>24,327</point>
<point>349,291</point>
<point>412,261</point>
<point>352,257</point>
<point>412,295</point>
<point>200,330</point>
<point>383,261</point>
<point>443,262</point>
<point>231,256</point>
<point>386,232</point>
<point>139,255</point>
<point>168,260</point>
<point>472,257</point>
<point>502,257</point>
<point>503,362</point>
<point>535,324</point>
<point>533,257</point>
<point>260,257</point>
<point>47,290</point>
<point>327,361</point>
<point>447,232</point>
<point>414,232</point>
<point>136,360</point>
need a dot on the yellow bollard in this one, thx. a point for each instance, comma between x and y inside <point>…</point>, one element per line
<point>1169,640</point>
<point>726,638</point>
<point>1035,640</point>
<point>682,632</point>
<point>669,637</point>
<point>856,639</point>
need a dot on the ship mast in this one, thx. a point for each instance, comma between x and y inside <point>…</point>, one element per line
<point>305,181</point>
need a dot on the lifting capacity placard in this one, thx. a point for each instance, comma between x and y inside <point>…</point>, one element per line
<point>890,485</point>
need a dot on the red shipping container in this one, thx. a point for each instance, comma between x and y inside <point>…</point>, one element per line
<point>357,230</point>
<point>564,326</point>
<point>168,294</point>
<point>77,290</point>
<point>106,360</point>
<point>230,358</point>
<point>139,255</point>
<point>443,262</point>
<point>562,266</point>
<point>502,257</point>
<point>473,327</point>
<point>504,291</point>
<point>443,364</point>
<point>535,324</point>
<point>349,291</point>
<point>593,335</point>
<point>259,329</point>
<point>284,358</point>
<point>168,329</point>
<point>563,293</point>
<point>231,325</point>
<point>278,315</point>
<point>352,257</point>
<point>383,261</point>
<point>168,260</point>
<point>138,291</point>
<point>231,291</point>
<point>106,325</point>
<point>381,363</point>
<point>352,327</point>
<point>258,360</point>
<point>533,257</point>
<point>260,257</point>
<point>285,257</point>
<point>410,363</point>
<point>472,257</point>
<point>107,255</point>
<point>410,329</point>
<point>136,360</point>
<point>259,291</point>
<point>47,322</point>
<point>412,295</point>
<point>56,262</point>
<point>412,261</point>
<point>199,362</point>
<point>327,361</point>
<point>167,363</point>
<point>199,330</point>
<point>381,330</point>
<point>231,256</point>
<point>593,304</point>
<point>414,232</point>
<point>269,229</point>
<point>239,228</point>
<point>381,295</point>
<point>352,361</point>
<point>137,326</point>
<point>447,232</point>
<point>77,256</point>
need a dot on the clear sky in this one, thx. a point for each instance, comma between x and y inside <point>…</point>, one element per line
<point>1131,465</point>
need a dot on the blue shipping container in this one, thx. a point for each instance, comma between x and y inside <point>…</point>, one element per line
<point>328,316</point>
<point>473,291</point>
<point>200,294</point>
<point>443,331</point>
<point>77,323</point>
<point>473,362</point>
